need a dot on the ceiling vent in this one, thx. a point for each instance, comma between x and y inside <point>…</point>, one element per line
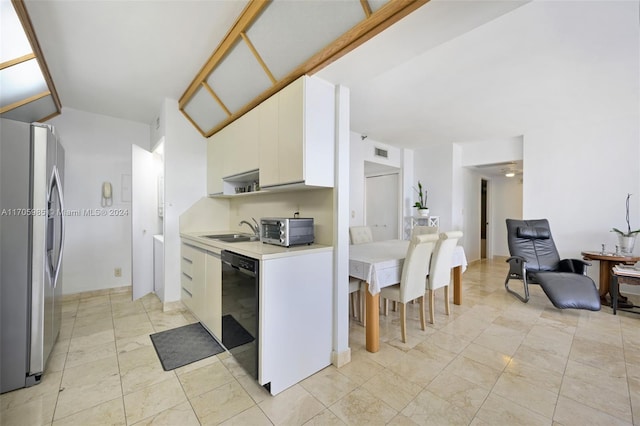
<point>381,153</point>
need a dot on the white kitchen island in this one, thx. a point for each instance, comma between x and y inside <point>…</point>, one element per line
<point>295,306</point>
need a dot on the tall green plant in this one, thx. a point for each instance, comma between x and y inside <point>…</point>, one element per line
<point>629,232</point>
<point>422,202</point>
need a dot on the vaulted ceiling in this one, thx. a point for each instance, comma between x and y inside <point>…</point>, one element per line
<point>452,70</point>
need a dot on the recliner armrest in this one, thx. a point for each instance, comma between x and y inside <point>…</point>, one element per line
<point>577,266</point>
<point>517,265</point>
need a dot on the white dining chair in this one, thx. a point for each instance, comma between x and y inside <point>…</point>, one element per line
<point>360,234</point>
<point>419,230</point>
<point>412,280</point>
<point>440,269</point>
<point>356,298</point>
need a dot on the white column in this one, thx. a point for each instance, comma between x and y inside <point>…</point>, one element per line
<point>341,352</point>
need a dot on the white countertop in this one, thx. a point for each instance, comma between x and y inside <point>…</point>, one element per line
<point>254,249</point>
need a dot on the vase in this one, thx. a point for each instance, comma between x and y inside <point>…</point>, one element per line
<point>626,244</point>
<point>423,212</point>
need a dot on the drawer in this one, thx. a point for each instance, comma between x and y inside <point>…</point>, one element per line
<point>186,282</point>
<point>186,266</point>
<point>187,299</point>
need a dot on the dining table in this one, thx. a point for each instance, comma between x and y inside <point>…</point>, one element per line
<point>379,264</point>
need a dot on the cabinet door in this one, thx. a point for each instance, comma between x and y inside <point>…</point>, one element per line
<point>291,132</point>
<point>319,106</point>
<point>268,124</point>
<point>295,318</point>
<point>248,139</point>
<point>241,145</point>
<point>214,165</point>
<point>212,312</point>
<point>232,164</point>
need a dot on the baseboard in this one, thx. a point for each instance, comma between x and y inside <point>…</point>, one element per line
<point>94,293</point>
<point>338,359</point>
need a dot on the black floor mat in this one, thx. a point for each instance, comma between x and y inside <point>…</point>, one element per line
<point>184,345</point>
<point>234,334</point>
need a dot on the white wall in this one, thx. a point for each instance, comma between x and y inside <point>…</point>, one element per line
<point>581,147</point>
<point>185,179</point>
<point>504,199</point>
<point>433,167</point>
<point>499,150</point>
<point>97,149</point>
<point>471,222</point>
<point>356,180</point>
<point>363,162</point>
<point>506,203</point>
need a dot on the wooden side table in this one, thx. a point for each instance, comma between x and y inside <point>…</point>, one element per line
<point>607,261</point>
<point>617,279</point>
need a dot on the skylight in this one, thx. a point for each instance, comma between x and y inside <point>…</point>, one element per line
<point>272,43</point>
<point>27,92</point>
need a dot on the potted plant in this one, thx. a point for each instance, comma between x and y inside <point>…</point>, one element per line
<point>626,240</point>
<point>421,204</point>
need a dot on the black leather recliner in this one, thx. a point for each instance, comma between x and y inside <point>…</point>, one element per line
<point>535,260</point>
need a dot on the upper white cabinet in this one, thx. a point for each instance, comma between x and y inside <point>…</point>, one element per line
<point>305,136</point>
<point>289,139</point>
<point>269,141</point>
<point>233,151</point>
<point>241,150</point>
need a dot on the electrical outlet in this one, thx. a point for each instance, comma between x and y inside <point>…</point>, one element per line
<point>117,272</point>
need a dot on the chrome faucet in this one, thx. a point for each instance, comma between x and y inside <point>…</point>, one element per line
<point>255,228</point>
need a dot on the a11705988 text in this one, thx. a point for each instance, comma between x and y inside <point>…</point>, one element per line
<point>112,212</point>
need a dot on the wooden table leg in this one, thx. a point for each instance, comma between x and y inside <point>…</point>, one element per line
<point>457,285</point>
<point>372,327</point>
<point>605,270</point>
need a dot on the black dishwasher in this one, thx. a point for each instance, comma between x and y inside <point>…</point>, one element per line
<point>240,308</point>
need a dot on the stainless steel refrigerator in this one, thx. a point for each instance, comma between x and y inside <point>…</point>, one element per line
<point>32,244</point>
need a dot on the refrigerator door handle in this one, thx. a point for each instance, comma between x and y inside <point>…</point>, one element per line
<point>57,184</point>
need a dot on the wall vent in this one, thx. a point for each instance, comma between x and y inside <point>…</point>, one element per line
<point>381,153</point>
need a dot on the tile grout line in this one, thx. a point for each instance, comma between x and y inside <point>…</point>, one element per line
<point>115,344</point>
<point>64,367</point>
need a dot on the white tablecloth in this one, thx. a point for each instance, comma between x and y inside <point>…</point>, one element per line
<point>380,263</point>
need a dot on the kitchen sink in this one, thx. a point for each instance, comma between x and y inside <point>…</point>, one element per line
<point>232,238</point>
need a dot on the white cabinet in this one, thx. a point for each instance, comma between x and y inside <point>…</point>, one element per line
<point>295,318</point>
<point>192,276</point>
<point>201,280</point>
<point>289,138</point>
<point>268,124</point>
<point>305,136</point>
<point>245,149</point>
<point>241,145</point>
<point>233,151</point>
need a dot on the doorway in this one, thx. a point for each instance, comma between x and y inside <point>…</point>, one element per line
<point>484,184</point>
<point>382,195</point>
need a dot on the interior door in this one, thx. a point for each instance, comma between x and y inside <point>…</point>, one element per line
<point>483,218</point>
<point>143,220</point>
<point>382,202</point>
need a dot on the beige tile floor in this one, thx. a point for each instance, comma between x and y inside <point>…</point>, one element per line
<point>493,361</point>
